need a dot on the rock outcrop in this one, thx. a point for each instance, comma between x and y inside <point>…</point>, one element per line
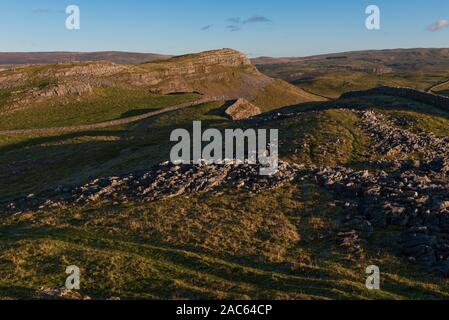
<point>179,74</point>
<point>224,72</point>
<point>390,140</point>
<point>59,294</point>
<point>410,195</point>
<point>63,294</point>
<point>160,182</point>
<point>242,109</point>
<point>408,198</point>
<point>414,198</point>
<point>55,93</point>
<point>60,90</point>
<point>214,72</point>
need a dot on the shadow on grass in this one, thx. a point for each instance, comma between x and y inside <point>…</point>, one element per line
<point>17,292</point>
<point>189,266</point>
<point>194,275</point>
<point>39,163</point>
<point>367,102</point>
<point>34,141</point>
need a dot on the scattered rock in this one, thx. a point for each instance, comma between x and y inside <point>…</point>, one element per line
<point>390,140</point>
<point>160,182</point>
<point>59,294</point>
<point>242,109</point>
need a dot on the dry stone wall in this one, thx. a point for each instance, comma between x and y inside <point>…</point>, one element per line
<point>420,96</point>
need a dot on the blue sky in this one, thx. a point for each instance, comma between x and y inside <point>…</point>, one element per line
<point>255,27</point>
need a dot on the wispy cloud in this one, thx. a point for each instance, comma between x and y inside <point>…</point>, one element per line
<point>237,22</point>
<point>209,26</point>
<point>440,24</point>
<point>234,28</point>
<point>257,19</point>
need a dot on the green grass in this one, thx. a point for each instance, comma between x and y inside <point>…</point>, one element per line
<point>180,249</point>
<point>324,75</point>
<point>35,163</point>
<point>105,104</point>
<point>326,138</point>
<point>5,94</point>
<point>280,94</point>
<point>418,122</point>
<point>333,85</point>
<point>29,164</point>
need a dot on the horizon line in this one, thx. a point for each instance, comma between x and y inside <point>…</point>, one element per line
<point>247,54</point>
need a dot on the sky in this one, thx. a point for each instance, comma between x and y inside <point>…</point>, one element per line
<point>256,27</point>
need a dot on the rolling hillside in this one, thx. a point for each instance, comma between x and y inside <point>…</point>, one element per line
<point>333,74</point>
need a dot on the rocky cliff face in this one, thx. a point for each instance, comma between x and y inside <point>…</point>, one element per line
<point>223,57</point>
<point>224,72</point>
<point>56,93</point>
<point>194,66</point>
<point>193,73</point>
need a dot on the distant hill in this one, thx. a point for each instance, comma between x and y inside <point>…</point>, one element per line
<point>417,54</point>
<point>20,58</point>
<point>333,74</point>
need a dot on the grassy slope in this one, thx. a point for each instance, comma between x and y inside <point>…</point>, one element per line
<point>106,104</point>
<point>280,94</point>
<point>26,161</point>
<point>442,89</point>
<point>180,248</point>
<point>163,251</point>
<point>334,84</point>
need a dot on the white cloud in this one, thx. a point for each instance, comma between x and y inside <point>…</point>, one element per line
<point>440,24</point>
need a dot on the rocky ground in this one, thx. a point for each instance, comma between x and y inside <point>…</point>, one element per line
<point>163,181</point>
<point>410,196</point>
<point>391,140</point>
<point>63,294</point>
<point>414,197</point>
